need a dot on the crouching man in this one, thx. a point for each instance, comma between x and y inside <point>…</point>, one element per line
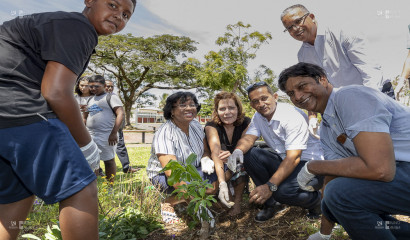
<point>285,130</point>
<point>366,135</point>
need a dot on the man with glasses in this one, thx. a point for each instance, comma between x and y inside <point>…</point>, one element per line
<point>284,129</point>
<point>344,57</point>
<point>121,150</point>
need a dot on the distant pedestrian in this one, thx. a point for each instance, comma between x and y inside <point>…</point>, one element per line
<point>121,150</point>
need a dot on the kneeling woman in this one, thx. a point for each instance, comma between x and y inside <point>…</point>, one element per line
<point>228,125</point>
<point>176,139</point>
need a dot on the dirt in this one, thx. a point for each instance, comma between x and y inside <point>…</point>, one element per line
<point>290,224</point>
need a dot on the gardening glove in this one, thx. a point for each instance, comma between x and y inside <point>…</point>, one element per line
<point>224,195</point>
<point>232,160</point>
<point>304,178</point>
<point>92,155</point>
<point>318,236</point>
<point>313,128</point>
<point>207,165</point>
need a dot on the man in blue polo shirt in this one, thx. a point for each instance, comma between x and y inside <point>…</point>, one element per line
<point>365,136</point>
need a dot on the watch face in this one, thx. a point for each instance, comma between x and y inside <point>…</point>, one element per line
<point>272,187</point>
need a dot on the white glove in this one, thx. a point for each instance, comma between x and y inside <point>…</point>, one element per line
<point>224,195</point>
<point>313,128</point>
<point>304,177</point>
<point>232,160</point>
<point>207,165</point>
<point>92,155</point>
<point>318,236</point>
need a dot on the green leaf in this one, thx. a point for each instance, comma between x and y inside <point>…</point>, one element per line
<point>194,173</point>
<point>191,159</point>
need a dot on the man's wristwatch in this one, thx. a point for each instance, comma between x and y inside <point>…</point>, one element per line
<point>272,186</point>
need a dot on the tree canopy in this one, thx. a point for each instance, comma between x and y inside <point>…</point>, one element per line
<point>227,69</point>
<point>138,64</point>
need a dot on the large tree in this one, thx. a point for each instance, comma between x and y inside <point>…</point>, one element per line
<point>139,64</point>
<point>227,68</point>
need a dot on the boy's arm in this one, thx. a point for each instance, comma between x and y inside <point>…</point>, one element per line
<point>57,89</point>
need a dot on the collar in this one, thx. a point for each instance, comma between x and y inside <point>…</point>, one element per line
<point>330,107</point>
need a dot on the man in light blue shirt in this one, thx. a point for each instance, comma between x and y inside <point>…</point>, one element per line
<point>344,56</point>
<point>365,136</point>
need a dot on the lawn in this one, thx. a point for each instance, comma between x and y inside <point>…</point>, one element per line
<point>130,209</point>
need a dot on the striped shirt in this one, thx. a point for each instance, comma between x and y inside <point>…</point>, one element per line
<point>170,140</point>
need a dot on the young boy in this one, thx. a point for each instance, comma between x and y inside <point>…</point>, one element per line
<point>40,122</point>
<point>103,121</point>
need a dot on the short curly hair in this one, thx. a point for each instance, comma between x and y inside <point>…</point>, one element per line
<point>173,99</point>
<point>228,95</point>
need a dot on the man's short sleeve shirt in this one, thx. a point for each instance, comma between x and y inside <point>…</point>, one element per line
<point>355,109</point>
<point>27,43</point>
<point>287,130</point>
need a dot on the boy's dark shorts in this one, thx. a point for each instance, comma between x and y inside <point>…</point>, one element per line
<point>41,159</point>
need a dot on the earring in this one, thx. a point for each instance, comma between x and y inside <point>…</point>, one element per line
<point>313,21</point>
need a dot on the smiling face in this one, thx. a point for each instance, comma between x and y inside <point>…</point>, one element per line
<point>227,111</point>
<point>306,93</point>
<point>184,112</point>
<point>300,26</point>
<point>108,16</point>
<point>263,102</point>
<point>96,88</point>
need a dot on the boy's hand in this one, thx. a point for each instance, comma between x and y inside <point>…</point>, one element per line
<point>113,139</point>
<point>92,155</point>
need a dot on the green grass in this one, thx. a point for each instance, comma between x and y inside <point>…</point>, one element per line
<point>131,198</point>
<point>132,208</point>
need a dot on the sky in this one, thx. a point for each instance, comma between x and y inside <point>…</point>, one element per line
<point>383,22</point>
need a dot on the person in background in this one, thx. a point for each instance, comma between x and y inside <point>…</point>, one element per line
<point>82,92</point>
<point>405,74</point>
<point>47,150</point>
<point>228,125</point>
<point>103,121</point>
<point>284,129</point>
<point>121,150</point>
<point>365,136</point>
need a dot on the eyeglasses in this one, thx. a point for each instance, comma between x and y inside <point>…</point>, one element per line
<point>184,106</point>
<point>109,87</point>
<point>296,24</point>
<point>255,85</point>
<point>94,86</point>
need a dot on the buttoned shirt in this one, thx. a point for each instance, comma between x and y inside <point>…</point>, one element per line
<point>408,38</point>
<point>354,109</point>
<point>287,130</point>
<point>170,140</point>
<point>344,57</point>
